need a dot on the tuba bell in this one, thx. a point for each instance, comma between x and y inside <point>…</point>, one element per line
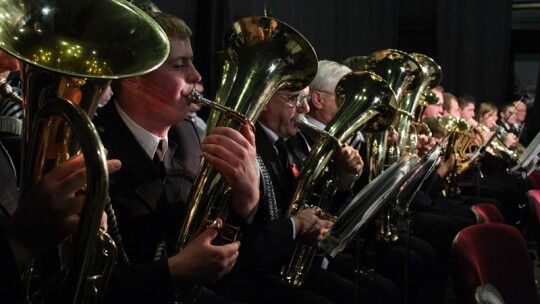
<point>365,102</point>
<point>263,55</point>
<point>69,52</point>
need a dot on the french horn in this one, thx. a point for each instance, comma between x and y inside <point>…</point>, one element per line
<point>463,141</point>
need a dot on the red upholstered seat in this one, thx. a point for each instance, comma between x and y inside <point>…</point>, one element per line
<point>534,179</point>
<point>495,254</point>
<point>487,213</point>
<point>534,198</point>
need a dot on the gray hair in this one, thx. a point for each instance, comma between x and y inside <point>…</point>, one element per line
<point>328,75</point>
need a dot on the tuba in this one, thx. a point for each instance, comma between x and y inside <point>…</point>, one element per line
<point>263,55</point>
<point>365,102</point>
<point>69,52</point>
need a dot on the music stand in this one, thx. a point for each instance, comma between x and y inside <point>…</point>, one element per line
<point>528,158</point>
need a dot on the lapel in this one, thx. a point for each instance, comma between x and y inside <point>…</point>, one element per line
<point>283,184</point>
<point>138,174</point>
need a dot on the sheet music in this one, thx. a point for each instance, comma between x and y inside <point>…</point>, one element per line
<point>528,159</point>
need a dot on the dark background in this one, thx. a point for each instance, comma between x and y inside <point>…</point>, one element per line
<point>477,43</point>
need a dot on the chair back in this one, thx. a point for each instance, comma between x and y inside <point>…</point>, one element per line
<point>487,213</point>
<point>534,179</point>
<point>488,294</point>
<point>496,254</point>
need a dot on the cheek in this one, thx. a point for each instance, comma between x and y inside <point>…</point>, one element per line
<point>165,86</point>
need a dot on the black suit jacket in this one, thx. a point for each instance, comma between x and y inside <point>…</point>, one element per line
<point>147,212</point>
<point>266,244</point>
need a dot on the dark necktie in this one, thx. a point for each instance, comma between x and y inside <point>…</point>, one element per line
<point>158,156</point>
<point>283,154</point>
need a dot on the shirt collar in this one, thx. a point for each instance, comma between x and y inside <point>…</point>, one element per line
<point>271,135</point>
<point>147,140</point>
<point>315,122</point>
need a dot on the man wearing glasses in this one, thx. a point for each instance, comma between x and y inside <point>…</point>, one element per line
<point>268,242</point>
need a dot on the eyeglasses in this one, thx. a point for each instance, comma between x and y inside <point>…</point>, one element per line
<point>296,100</point>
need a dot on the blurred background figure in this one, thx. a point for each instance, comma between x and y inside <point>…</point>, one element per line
<point>435,110</point>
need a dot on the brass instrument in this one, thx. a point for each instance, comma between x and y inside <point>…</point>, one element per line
<point>404,74</point>
<point>498,148</point>
<point>407,126</point>
<point>406,122</point>
<point>263,56</point>
<point>365,102</point>
<point>69,51</point>
<point>461,140</point>
<point>398,182</point>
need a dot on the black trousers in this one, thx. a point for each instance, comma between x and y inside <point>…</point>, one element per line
<point>257,287</point>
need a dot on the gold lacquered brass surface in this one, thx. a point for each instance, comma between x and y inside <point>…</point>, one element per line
<point>95,39</point>
<point>365,102</point>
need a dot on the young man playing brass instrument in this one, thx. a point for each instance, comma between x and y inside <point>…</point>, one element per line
<point>140,127</point>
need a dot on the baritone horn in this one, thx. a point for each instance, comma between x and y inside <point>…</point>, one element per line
<point>406,123</point>
<point>263,55</point>
<point>69,51</point>
<point>365,102</point>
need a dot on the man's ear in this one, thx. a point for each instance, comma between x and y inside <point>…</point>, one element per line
<point>316,100</point>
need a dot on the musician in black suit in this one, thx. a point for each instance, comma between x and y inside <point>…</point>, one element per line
<point>47,216</point>
<point>391,256</point>
<point>268,242</point>
<point>140,127</point>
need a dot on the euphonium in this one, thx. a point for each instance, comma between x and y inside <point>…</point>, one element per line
<point>404,74</point>
<point>406,122</point>
<point>69,51</point>
<point>263,56</point>
<point>365,102</point>
<point>407,126</point>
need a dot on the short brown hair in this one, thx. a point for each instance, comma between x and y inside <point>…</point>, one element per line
<point>171,25</point>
